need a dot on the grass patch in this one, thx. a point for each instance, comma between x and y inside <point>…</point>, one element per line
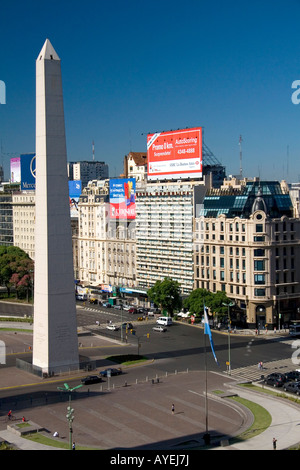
<point>17,319</point>
<point>48,441</point>
<point>262,419</point>
<point>127,359</point>
<point>22,425</point>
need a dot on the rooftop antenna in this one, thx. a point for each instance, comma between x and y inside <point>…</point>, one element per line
<point>241,156</point>
<point>93,148</point>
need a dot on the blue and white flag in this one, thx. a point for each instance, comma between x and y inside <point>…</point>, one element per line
<point>208,332</point>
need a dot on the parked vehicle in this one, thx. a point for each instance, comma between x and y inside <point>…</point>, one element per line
<point>292,375</point>
<point>165,321</point>
<point>132,310</point>
<point>127,325</point>
<point>293,387</point>
<point>91,379</point>
<point>112,371</point>
<point>275,379</point>
<point>81,297</point>
<point>142,310</point>
<point>106,304</point>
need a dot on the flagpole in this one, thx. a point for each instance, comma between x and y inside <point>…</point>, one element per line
<point>206,436</point>
<point>206,405</point>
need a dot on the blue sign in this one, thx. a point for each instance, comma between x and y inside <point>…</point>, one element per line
<point>28,170</point>
<point>75,188</point>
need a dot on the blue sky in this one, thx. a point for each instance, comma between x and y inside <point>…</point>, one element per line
<point>132,67</point>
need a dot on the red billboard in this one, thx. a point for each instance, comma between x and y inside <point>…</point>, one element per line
<point>175,154</point>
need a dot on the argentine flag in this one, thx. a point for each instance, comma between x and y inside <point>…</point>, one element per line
<point>208,332</point>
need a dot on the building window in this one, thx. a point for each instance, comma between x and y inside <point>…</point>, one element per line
<point>259,228</point>
<point>259,265</point>
<point>259,292</point>
<point>259,279</point>
<point>259,252</point>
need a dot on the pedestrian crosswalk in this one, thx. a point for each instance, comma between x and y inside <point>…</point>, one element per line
<point>254,373</point>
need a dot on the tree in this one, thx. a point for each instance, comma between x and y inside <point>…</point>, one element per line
<point>21,277</point>
<point>13,260</point>
<point>197,299</point>
<point>166,294</point>
<point>214,301</point>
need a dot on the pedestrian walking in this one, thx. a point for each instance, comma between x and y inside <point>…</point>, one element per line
<point>9,414</point>
<point>173,409</point>
<point>274,443</point>
<point>73,446</point>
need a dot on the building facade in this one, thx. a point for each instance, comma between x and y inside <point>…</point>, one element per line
<point>106,248</point>
<point>164,232</point>
<point>248,245</point>
<point>86,171</point>
<point>23,205</point>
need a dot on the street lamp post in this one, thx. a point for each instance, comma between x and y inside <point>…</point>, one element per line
<point>230,304</point>
<point>70,410</point>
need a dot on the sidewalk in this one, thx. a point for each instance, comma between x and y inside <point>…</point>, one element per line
<point>285,425</point>
<point>22,443</point>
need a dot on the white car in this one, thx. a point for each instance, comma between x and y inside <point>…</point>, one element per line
<point>159,328</point>
<point>112,327</point>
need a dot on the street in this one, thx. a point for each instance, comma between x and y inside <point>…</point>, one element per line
<point>174,372</point>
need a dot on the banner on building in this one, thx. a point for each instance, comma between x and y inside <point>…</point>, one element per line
<point>122,199</point>
<point>175,154</point>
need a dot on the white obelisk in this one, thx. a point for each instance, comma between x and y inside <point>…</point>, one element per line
<point>55,343</point>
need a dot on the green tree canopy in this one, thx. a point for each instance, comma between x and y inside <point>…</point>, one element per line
<point>166,294</point>
<point>214,301</point>
<point>15,267</point>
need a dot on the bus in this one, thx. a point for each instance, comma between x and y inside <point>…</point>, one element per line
<point>295,328</point>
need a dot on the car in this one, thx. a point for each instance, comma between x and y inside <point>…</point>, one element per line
<point>292,375</point>
<point>106,304</point>
<point>275,379</point>
<point>159,328</point>
<point>293,387</point>
<point>93,301</point>
<point>112,327</point>
<point>111,370</point>
<point>132,310</point>
<point>127,325</point>
<point>142,310</point>
<point>126,307</point>
<point>91,379</point>
<point>118,307</point>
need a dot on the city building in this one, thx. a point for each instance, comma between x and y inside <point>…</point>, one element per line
<point>6,213</point>
<point>135,166</point>
<point>86,171</point>
<point>106,247</point>
<point>164,232</point>
<point>23,207</point>
<point>248,245</point>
